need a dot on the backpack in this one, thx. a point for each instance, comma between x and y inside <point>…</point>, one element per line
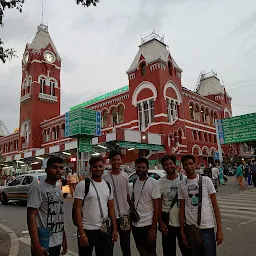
<point>87,182</point>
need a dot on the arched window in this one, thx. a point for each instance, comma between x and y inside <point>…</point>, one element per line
<point>192,111</point>
<point>57,132</point>
<point>146,113</point>
<point>212,118</point>
<point>209,137</point>
<point>180,137</point>
<point>104,118</point>
<point>215,117</point>
<point>214,138</point>
<point>206,116</point>
<point>172,109</point>
<point>170,68</point>
<point>205,137</point>
<point>62,130</point>
<point>120,114</point>
<point>195,135</point>
<point>114,118</point>
<point>171,140</point>
<point>52,88</point>
<point>200,136</point>
<point>53,133</point>
<point>197,113</point>
<point>202,114</point>
<point>175,139</point>
<point>143,69</point>
<point>42,85</point>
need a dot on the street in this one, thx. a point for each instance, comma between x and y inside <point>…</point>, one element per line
<point>238,212</point>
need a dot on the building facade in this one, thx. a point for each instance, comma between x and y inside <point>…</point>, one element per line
<point>154,109</point>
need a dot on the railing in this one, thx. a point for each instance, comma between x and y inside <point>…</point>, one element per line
<point>25,97</point>
<point>47,97</point>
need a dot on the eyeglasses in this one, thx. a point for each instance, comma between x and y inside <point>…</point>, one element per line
<point>55,167</point>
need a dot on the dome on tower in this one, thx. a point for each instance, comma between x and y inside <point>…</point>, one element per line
<point>209,84</point>
<point>152,48</point>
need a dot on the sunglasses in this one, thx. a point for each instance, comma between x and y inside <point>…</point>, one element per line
<point>190,195</point>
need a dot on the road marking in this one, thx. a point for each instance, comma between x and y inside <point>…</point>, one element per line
<point>14,250</point>
<point>26,240</point>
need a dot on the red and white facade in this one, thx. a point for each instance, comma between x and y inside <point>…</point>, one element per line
<point>156,108</point>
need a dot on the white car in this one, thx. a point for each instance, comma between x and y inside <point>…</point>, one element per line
<point>155,174</point>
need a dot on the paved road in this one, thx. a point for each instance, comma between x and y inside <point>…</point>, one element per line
<point>238,210</point>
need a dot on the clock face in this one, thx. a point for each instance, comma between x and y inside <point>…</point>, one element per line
<point>49,57</point>
<point>25,58</point>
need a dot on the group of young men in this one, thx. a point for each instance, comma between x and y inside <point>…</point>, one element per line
<point>180,206</point>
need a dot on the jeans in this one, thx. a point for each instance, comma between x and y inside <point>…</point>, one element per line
<point>53,251</point>
<point>102,243</point>
<point>144,246</point>
<point>125,240</point>
<point>169,242</point>
<point>208,247</point>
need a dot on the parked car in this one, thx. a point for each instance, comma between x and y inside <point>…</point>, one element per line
<point>124,168</point>
<point>155,174</point>
<point>19,187</point>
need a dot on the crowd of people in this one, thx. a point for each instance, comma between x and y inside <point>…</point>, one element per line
<point>180,206</point>
<point>5,179</point>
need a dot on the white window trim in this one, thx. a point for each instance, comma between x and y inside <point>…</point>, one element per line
<point>176,110</point>
<point>142,126</point>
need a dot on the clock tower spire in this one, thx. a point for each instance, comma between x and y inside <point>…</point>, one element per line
<point>40,87</point>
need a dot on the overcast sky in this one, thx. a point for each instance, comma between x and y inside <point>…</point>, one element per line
<point>97,45</point>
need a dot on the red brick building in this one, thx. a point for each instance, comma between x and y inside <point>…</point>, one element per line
<point>153,112</point>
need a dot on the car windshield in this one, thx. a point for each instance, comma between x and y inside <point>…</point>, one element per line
<point>41,177</point>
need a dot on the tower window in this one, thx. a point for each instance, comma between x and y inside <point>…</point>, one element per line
<point>172,109</point>
<point>143,69</point>
<point>52,86</point>
<point>170,69</point>
<point>42,85</point>
<point>146,113</point>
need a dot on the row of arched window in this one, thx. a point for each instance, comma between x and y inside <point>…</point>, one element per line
<point>54,133</point>
<point>202,114</point>
<point>204,136</point>
<point>113,116</point>
<point>9,146</point>
<point>26,86</point>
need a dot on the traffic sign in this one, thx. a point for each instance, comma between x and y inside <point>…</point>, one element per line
<point>82,121</point>
<point>237,129</point>
<point>84,144</point>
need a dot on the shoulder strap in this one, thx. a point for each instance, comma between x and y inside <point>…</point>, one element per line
<point>86,188</point>
<point>181,177</point>
<point>199,215</point>
<point>108,186</point>
<point>140,193</point>
<point>115,194</point>
<point>98,198</point>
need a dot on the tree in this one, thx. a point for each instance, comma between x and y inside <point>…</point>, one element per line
<point>9,53</point>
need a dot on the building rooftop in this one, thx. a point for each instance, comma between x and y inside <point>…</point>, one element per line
<point>152,48</point>
<point>42,39</point>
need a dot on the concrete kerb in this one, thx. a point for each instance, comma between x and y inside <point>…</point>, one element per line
<point>14,249</point>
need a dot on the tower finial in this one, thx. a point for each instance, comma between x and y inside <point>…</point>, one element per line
<point>42,11</point>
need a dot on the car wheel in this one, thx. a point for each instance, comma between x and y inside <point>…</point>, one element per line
<point>4,199</point>
<point>65,195</point>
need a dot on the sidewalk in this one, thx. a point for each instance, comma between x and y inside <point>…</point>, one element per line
<point>5,243</point>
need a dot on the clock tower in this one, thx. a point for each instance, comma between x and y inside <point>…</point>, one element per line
<point>40,87</point>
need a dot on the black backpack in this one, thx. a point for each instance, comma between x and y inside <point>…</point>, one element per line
<point>87,182</point>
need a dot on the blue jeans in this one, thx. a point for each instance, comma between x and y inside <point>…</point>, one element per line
<point>208,247</point>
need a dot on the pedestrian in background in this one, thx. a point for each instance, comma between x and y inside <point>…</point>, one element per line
<point>94,213</point>
<point>197,198</point>
<point>215,176</point>
<point>145,209</point>
<point>45,214</point>
<point>169,216</point>
<point>253,172</point>
<point>239,175</point>
<point>72,181</point>
<point>120,184</point>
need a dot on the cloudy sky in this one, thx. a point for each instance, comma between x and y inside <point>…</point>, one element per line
<point>97,45</point>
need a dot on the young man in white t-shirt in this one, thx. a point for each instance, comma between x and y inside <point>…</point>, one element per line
<point>215,176</point>
<point>88,215</point>
<point>120,184</point>
<point>146,194</point>
<point>188,193</point>
<point>169,217</point>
